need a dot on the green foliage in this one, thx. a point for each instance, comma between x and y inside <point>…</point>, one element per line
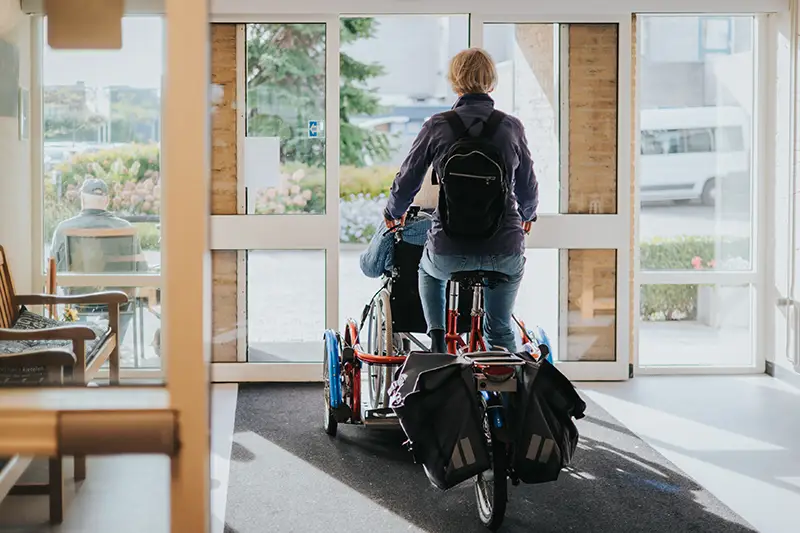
<point>286,87</point>
<point>679,302</point>
<point>68,117</point>
<point>370,181</point>
<point>149,235</point>
<point>135,162</point>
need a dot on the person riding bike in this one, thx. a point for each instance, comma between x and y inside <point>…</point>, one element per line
<point>487,201</point>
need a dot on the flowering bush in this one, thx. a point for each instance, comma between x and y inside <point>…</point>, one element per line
<point>359,217</point>
<point>302,188</point>
<point>299,191</point>
<point>697,263</point>
<point>131,174</point>
<point>146,157</point>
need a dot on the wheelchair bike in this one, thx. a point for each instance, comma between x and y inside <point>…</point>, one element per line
<point>368,355</point>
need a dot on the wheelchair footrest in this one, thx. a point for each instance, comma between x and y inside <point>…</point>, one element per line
<point>380,417</point>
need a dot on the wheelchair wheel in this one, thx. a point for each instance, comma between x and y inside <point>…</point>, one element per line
<point>330,376</point>
<point>491,486</point>
<point>379,342</point>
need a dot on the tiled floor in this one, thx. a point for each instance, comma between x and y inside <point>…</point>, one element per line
<point>737,436</point>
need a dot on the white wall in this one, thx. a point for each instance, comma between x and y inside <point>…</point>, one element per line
<point>778,265</point>
<point>15,156</point>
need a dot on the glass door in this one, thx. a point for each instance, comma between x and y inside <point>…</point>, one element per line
<point>313,175</point>
<point>278,241</point>
<point>701,203</point>
<point>101,124</point>
<point>565,80</point>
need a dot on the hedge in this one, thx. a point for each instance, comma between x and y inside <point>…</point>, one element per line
<point>679,302</point>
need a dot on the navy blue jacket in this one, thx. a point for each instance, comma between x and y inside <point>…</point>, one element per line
<point>430,147</point>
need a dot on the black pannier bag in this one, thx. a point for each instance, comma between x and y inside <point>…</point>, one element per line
<point>545,435</point>
<point>436,400</point>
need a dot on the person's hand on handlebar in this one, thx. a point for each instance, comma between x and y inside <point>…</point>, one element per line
<point>527,224</point>
<point>393,224</point>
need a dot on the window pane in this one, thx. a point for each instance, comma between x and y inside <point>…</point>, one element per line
<point>527,57</point>
<point>139,322</point>
<point>284,151</point>
<point>388,92</point>
<point>102,134</point>
<point>285,305</point>
<point>696,189</point>
<point>585,304</point>
<point>696,325</point>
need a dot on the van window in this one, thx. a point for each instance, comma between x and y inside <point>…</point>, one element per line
<point>730,139</point>
<point>657,142</point>
<point>699,141</point>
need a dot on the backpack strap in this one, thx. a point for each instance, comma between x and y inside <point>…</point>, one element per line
<point>492,123</point>
<point>456,124</point>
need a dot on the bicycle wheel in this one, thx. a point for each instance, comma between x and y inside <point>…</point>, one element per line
<point>491,486</point>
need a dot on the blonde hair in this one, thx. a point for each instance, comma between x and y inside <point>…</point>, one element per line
<point>428,195</point>
<point>472,71</point>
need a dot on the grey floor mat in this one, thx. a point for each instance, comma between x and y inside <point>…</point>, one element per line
<point>288,476</point>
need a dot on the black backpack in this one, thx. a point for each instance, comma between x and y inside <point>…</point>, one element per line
<point>474,182</point>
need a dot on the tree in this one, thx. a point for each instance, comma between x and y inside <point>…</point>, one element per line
<point>135,114</point>
<point>286,89</point>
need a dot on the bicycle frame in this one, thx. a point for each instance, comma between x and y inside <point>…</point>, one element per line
<point>455,342</point>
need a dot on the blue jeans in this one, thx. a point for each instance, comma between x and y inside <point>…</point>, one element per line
<point>435,271</point>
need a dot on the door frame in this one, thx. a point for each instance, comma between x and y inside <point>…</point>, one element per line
<point>762,191</point>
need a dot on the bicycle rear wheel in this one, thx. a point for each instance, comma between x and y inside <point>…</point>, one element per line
<point>491,486</point>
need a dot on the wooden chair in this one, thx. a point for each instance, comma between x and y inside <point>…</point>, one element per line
<point>39,351</point>
<point>104,251</point>
<point>85,251</point>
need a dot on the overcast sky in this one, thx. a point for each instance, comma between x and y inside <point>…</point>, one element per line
<point>138,64</point>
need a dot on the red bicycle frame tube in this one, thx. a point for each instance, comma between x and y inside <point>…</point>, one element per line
<point>456,341</point>
<point>366,357</point>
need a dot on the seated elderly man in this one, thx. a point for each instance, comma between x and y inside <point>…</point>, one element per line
<point>95,215</point>
<point>378,258</point>
<point>97,255</point>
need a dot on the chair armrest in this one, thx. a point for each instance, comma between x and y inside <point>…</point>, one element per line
<point>105,297</point>
<point>49,357</point>
<point>61,333</point>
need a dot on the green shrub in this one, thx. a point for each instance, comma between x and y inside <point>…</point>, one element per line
<point>369,181</point>
<point>134,162</point>
<point>148,235</point>
<point>679,302</point>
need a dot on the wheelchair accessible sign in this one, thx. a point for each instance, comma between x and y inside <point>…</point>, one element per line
<point>315,129</point>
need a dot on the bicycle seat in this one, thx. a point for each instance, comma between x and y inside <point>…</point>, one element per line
<point>479,278</point>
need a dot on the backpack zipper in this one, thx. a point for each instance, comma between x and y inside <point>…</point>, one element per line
<point>474,176</point>
<point>500,170</point>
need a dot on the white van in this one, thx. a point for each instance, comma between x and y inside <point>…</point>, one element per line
<point>685,151</point>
